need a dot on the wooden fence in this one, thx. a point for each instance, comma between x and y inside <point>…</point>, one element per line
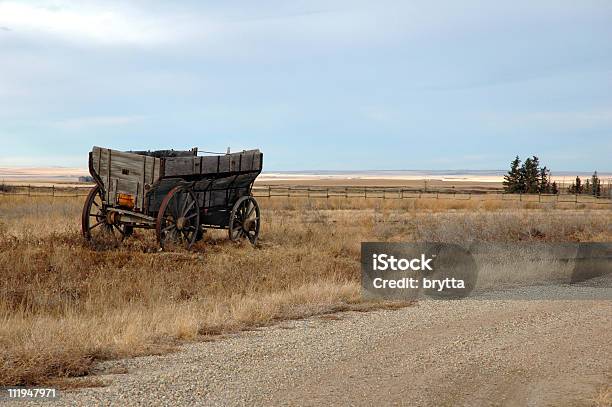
<point>373,192</point>
<point>271,191</point>
<point>50,190</point>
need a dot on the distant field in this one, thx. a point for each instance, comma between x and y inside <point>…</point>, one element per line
<point>41,175</point>
<point>460,180</point>
<point>422,183</point>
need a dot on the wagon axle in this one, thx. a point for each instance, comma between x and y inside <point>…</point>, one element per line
<point>180,223</point>
<point>112,218</point>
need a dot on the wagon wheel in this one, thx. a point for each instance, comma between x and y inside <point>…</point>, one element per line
<point>178,219</point>
<point>244,220</point>
<point>98,225</point>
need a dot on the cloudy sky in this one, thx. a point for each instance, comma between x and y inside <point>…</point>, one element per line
<point>350,85</point>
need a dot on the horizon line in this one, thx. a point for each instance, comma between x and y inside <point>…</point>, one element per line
<point>339,171</point>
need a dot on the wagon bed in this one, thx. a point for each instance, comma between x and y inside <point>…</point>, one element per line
<point>152,189</point>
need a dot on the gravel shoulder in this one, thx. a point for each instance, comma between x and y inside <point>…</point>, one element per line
<point>436,353</point>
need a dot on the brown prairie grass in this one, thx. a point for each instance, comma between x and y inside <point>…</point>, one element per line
<point>445,202</point>
<point>603,398</point>
<point>64,306</point>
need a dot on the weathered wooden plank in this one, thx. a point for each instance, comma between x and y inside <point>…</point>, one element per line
<point>178,166</point>
<point>224,163</point>
<point>246,161</point>
<point>256,161</point>
<point>209,164</point>
<point>235,161</point>
<point>127,173</point>
<point>241,161</point>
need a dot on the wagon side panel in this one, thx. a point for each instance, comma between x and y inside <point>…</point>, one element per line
<point>158,192</point>
<point>181,166</point>
<point>210,164</point>
<point>125,173</point>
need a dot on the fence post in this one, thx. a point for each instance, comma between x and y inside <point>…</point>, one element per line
<point>29,190</point>
<point>269,191</point>
<point>53,190</point>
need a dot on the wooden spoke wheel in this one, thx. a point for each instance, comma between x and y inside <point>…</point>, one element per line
<point>178,220</point>
<point>244,220</point>
<point>99,226</point>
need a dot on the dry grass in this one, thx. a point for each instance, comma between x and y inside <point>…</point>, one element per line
<point>445,202</point>
<point>64,306</point>
<point>603,397</point>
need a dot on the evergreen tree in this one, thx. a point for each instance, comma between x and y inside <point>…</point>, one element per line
<point>595,185</point>
<point>521,186</point>
<point>530,178</point>
<point>512,178</point>
<point>598,190</point>
<point>554,189</point>
<point>523,175</point>
<point>579,187</point>
<point>587,187</point>
<point>544,181</point>
<point>576,187</point>
<point>530,175</point>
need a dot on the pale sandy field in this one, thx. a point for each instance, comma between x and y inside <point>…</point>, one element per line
<point>479,180</point>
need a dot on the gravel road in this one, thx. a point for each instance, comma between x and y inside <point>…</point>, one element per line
<point>436,353</point>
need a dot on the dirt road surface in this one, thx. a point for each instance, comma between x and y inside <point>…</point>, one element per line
<point>436,353</point>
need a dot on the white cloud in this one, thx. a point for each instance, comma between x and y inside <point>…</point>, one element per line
<point>82,24</point>
<point>224,29</point>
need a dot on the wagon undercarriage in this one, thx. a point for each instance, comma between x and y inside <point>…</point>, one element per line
<point>177,193</point>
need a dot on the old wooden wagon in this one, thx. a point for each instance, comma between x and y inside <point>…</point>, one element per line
<point>177,193</point>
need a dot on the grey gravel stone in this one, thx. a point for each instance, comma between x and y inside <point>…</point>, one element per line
<point>463,352</point>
